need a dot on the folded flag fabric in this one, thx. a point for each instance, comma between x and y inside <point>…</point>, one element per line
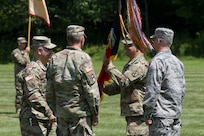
<point>111,52</point>
<point>135,26</point>
<point>38,8</point>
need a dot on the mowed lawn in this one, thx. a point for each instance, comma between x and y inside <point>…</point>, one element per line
<point>111,123</point>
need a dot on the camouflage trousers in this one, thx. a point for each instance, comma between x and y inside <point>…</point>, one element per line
<point>136,126</point>
<point>165,127</point>
<point>18,97</point>
<point>37,127</point>
<point>75,127</point>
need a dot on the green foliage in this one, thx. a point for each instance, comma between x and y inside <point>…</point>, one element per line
<point>5,51</point>
<point>185,46</point>
<point>95,51</point>
<point>98,51</point>
<point>13,18</point>
<point>199,50</point>
<point>186,19</point>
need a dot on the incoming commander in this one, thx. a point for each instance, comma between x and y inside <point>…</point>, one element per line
<point>130,84</point>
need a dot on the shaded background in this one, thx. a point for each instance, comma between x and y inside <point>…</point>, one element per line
<point>186,18</point>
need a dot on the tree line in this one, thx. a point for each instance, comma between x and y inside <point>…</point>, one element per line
<point>186,18</point>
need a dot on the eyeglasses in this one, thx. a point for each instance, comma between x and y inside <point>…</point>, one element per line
<point>49,50</point>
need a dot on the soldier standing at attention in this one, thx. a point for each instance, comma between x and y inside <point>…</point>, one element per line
<point>130,84</point>
<point>36,117</point>
<point>165,87</point>
<point>20,58</point>
<point>72,89</point>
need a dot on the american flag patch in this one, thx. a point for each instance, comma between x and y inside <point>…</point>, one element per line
<point>88,69</point>
<point>28,77</point>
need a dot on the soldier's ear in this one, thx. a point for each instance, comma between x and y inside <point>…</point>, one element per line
<point>40,50</point>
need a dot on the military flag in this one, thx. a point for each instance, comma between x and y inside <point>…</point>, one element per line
<point>135,26</point>
<point>38,8</point>
<point>112,47</point>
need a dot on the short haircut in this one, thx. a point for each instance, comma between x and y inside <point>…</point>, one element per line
<point>74,39</point>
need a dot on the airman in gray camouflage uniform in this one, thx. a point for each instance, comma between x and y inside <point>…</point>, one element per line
<point>20,58</point>
<point>131,85</point>
<point>165,87</point>
<point>36,117</point>
<point>72,89</point>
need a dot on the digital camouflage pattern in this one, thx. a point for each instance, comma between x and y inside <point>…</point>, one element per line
<point>165,127</point>
<point>20,61</point>
<point>35,110</point>
<point>131,85</point>
<point>72,90</point>
<point>165,91</point>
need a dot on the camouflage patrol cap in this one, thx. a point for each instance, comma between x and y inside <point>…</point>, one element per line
<point>75,30</point>
<point>21,40</point>
<point>127,41</point>
<point>42,41</point>
<point>164,33</point>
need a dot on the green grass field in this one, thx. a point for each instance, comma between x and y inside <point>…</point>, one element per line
<point>111,123</point>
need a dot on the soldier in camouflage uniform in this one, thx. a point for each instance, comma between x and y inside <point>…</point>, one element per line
<point>20,58</point>
<point>130,84</point>
<point>36,117</point>
<point>165,87</point>
<point>72,89</point>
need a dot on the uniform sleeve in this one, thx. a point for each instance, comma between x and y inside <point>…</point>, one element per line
<point>50,94</point>
<point>117,77</point>
<point>35,98</point>
<point>153,83</point>
<point>111,89</point>
<point>118,80</point>
<point>134,73</point>
<point>19,86</point>
<point>90,86</point>
<point>19,58</point>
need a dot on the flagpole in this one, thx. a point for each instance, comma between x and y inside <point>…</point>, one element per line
<point>29,30</point>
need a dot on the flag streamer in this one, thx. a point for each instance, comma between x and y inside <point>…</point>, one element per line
<point>135,26</point>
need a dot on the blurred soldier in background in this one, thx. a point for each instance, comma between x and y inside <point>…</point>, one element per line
<point>20,58</point>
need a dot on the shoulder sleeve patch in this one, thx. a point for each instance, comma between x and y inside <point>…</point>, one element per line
<point>88,68</point>
<point>89,72</point>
